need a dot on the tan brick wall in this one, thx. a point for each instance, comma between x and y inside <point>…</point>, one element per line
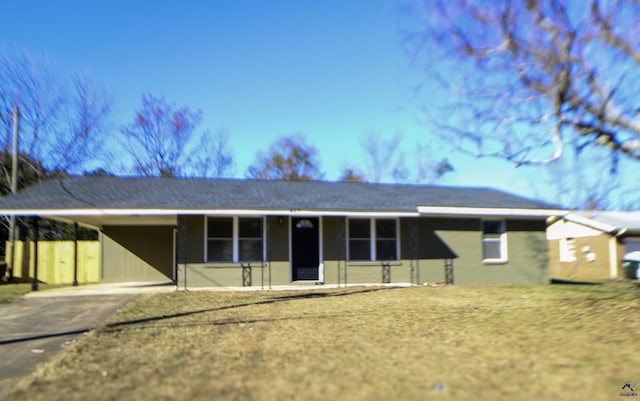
<point>581,268</point>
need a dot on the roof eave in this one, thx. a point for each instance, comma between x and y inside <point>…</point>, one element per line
<point>455,211</point>
<point>208,212</point>
<point>591,223</point>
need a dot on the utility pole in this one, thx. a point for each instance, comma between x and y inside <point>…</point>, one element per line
<point>14,187</point>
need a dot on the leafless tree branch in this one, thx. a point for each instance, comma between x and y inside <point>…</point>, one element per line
<point>533,74</point>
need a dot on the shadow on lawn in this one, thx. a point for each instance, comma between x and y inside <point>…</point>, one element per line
<point>227,322</point>
<point>285,298</point>
<point>120,325</point>
<point>45,335</point>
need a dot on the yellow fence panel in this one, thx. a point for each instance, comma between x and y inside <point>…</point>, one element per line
<point>55,261</point>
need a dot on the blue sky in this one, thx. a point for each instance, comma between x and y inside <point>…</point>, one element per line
<point>334,70</point>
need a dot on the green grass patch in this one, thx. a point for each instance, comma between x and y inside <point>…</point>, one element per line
<point>560,342</point>
<point>11,292</point>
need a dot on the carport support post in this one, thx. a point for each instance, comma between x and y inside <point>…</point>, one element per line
<point>36,235</point>
<point>75,254</point>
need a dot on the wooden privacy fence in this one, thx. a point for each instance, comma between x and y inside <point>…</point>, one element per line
<point>55,261</point>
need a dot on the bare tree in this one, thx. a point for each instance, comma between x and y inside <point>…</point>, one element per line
<point>527,78</point>
<point>385,161</point>
<point>62,120</point>
<point>217,158</point>
<point>289,158</point>
<point>584,181</point>
<point>163,140</point>
<point>81,136</point>
<point>427,167</point>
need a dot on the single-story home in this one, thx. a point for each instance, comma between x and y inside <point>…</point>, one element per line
<point>591,245</point>
<point>203,232</point>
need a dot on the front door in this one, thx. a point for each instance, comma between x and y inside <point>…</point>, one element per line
<point>305,248</point>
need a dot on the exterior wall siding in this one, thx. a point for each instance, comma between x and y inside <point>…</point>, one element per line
<point>191,239</point>
<point>526,252</point>
<point>278,239</point>
<point>425,243</point>
<point>231,275</point>
<point>137,253</point>
<point>278,273</point>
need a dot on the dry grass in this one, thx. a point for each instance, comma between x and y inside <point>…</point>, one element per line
<point>460,342</point>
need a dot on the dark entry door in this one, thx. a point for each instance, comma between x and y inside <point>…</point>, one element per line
<point>305,248</point>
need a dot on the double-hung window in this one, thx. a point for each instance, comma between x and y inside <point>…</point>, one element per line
<point>234,239</point>
<point>373,239</point>
<point>494,241</point>
<point>219,239</point>
<point>249,239</point>
<point>359,239</point>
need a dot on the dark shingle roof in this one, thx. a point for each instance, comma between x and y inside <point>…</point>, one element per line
<point>195,194</point>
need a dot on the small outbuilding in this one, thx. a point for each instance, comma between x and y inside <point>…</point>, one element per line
<point>591,246</point>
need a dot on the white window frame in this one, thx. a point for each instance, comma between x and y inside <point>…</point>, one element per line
<point>235,239</point>
<point>373,257</point>
<point>502,239</point>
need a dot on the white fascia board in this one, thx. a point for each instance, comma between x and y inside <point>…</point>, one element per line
<point>298,212</point>
<point>208,212</point>
<point>452,211</point>
<point>585,221</point>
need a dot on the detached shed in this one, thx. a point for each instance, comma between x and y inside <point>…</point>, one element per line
<point>590,246</point>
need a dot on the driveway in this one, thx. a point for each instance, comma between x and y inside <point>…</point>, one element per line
<point>36,327</point>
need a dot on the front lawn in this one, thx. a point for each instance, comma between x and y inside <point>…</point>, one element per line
<point>553,342</point>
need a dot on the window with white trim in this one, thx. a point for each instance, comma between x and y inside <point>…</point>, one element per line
<point>567,250</point>
<point>494,241</point>
<point>372,239</point>
<point>234,239</point>
<point>249,239</point>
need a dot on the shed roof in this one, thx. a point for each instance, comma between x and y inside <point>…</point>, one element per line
<point>619,223</point>
<point>116,193</point>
